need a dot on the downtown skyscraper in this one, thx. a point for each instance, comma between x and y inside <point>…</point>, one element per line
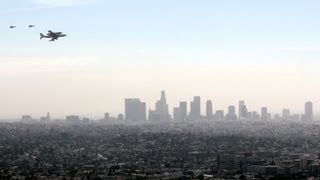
<point>195,108</point>
<point>209,110</point>
<point>231,113</point>
<point>243,111</point>
<point>264,114</point>
<point>135,110</point>
<point>161,113</point>
<point>183,110</point>
<point>308,111</point>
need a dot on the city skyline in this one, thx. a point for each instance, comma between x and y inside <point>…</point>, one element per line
<point>136,110</point>
<point>149,105</point>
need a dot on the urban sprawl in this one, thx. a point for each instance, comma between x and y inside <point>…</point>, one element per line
<point>188,145</point>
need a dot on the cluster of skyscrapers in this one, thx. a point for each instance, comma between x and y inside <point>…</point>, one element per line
<point>135,111</point>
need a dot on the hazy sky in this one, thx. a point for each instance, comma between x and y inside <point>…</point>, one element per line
<point>266,52</point>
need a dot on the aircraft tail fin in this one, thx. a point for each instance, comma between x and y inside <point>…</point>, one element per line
<point>41,36</point>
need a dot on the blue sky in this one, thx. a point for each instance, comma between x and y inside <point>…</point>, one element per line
<point>263,48</point>
<point>261,25</point>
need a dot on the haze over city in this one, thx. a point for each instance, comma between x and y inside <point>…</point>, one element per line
<point>265,53</point>
<point>159,89</point>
